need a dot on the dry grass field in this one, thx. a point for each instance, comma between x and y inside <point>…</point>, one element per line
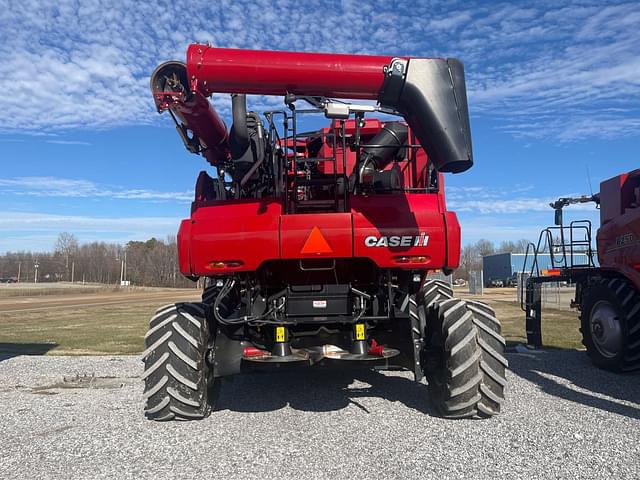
<point>72,320</point>
<point>80,320</point>
<point>559,325</point>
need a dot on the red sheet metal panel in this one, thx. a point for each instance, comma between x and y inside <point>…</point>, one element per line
<point>395,231</point>
<point>241,233</point>
<point>400,231</point>
<point>184,248</point>
<point>302,235</point>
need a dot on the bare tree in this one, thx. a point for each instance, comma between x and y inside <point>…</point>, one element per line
<point>151,263</point>
<point>507,246</point>
<point>485,247</point>
<point>521,245</point>
<point>66,246</point>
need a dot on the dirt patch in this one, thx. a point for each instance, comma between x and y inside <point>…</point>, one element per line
<point>84,381</point>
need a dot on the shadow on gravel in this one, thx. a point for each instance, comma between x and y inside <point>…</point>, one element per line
<point>318,390</point>
<point>10,350</point>
<point>568,374</point>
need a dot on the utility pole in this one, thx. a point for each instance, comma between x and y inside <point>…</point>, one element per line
<point>73,270</point>
<point>19,268</point>
<point>123,269</point>
<point>35,277</point>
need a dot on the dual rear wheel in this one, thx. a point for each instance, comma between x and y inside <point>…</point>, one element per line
<point>462,357</point>
<point>178,377</point>
<point>463,353</point>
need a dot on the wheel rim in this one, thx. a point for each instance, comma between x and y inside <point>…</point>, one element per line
<point>606,329</point>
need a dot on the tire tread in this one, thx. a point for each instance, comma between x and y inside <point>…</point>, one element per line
<point>176,373</point>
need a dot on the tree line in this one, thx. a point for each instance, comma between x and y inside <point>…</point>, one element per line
<point>150,263</point>
<point>155,262</point>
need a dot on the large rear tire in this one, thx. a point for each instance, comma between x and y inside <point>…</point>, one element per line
<point>177,377</point>
<point>451,359</point>
<point>610,324</point>
<point>493,363</point>
<point>435,291</point>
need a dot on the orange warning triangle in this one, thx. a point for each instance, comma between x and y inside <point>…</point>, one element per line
<point>316,243</point>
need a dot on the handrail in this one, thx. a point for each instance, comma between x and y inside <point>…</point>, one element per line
<point>578,244</point>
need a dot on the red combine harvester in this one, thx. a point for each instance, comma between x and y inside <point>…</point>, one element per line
<point>608,295</point>
<point>317,247</point>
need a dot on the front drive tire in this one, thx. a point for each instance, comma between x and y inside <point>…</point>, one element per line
<point>177,377</point>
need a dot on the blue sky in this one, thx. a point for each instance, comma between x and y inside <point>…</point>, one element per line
<point>554,92</point>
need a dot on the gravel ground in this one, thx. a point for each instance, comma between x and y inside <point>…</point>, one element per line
<point>81,417</point>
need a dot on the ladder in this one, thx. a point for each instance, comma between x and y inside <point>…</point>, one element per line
<point>300,172</point>
<point>562,243</point>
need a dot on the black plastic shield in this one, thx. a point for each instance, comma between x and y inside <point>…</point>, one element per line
<point>432,97</point>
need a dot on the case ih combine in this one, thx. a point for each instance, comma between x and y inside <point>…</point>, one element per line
<point>607,296</point>
<point>316,247</point>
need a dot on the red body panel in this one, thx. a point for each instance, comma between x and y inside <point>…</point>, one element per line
<point>184,247</point>
<point>335,229</point>
<point>618,238</point>
<point>227,70</point>
<point>405,216</point>
<point>248,233</point>
<point>244,231</point>
<point>453,240</point>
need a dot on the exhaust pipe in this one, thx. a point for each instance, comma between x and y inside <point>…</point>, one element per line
<point>239,130</point>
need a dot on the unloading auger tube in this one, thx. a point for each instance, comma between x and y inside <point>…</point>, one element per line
<point>429,93</point>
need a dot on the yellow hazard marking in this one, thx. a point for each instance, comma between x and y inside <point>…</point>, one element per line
<point>359,331</point>
<point>280,335</point>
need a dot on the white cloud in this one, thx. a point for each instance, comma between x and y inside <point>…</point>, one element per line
<point>507,206</point>
<point>543,71</point>
<point>515,225</point>
<point>505,201</point>
<point>69,142</point>
<point>38,231</point>
<point>498,229</point>
<point>78,188</point>
<point>44,222</point>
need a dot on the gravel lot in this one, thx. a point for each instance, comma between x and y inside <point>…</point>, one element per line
<point>81,417</point>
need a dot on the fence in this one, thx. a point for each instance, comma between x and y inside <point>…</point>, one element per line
<point>476,283</point>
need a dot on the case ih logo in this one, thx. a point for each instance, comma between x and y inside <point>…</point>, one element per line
<point>398,241</point>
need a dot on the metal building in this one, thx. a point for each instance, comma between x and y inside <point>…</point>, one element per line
<point>503,267</point>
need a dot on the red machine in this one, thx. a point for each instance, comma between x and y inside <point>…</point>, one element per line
<point>317,246</point>
<point>608,295</point>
